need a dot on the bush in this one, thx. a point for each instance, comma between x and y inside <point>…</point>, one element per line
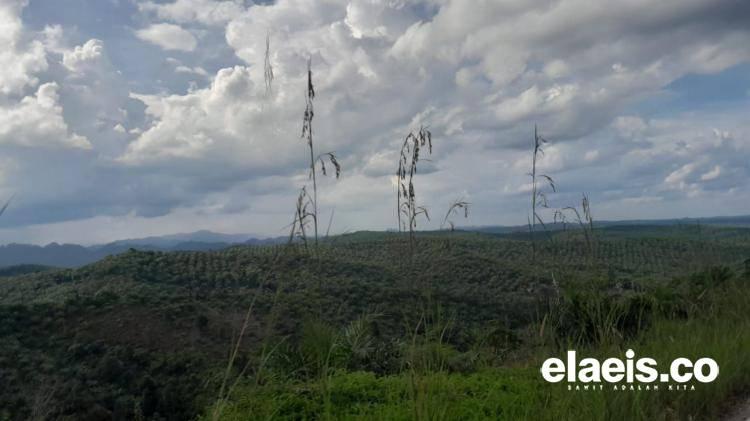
<point>596,317</point>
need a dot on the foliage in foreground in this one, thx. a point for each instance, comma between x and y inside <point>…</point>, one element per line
<point>711,322</point>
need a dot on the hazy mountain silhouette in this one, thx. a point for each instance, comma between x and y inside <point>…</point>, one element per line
<point>74,255</point>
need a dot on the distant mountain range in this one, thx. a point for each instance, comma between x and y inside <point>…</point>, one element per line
<point>727,221</point>
<point>73,255</point>
<point>176,240</point>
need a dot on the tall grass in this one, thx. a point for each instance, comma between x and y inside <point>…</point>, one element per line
<point>302,216</point>
<point>585,221</point>
<point>720,331</point>
<point>453,210</point>
<point>538,195</point>
<point>426,390</point>
<point>406,204</point>
<point>307,134</point>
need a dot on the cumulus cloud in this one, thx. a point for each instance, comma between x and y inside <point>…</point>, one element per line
<point>480,76</point>
<point>168,37</point>
<point>222,122</point>
<point>569,66</point>
<point>83,57</point>
<point>378,19</point>
<point>21,59</point>
<point>37,121</point>
<point>33,118</point>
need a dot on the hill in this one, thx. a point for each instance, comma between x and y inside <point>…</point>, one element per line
<point>175,240</point>
<point>740,221</point>
<point>74,255</point>
<point>23,269</point>
<point>148,332</point>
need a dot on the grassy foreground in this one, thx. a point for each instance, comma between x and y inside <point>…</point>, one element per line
<point>718,328</point>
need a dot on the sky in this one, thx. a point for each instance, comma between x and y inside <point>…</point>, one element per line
<point>129,118</point>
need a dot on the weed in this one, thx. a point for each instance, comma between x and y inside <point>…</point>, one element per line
<point>538,196</point>
<point>302,216</point>
<point>307,134</point>
<point>585,222</point>
<point>453,209</point>
<point>407,169</point>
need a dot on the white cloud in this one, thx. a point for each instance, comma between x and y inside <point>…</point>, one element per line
<point>20,59</point>
<point>591,155</point>
<point>168,37</point>
<point>206,12</point>
<point>479,76</point>
<point>630,127</point>
<point>640,200</point>
<point>83,57</point>
<point>223,122</point>
<point>679,175</point>
<point>380,164</point>
<point>712,175</point>
<point>54,38</point>
<point>192,70</point>
<point>37,121</point>
<point>378,18</point>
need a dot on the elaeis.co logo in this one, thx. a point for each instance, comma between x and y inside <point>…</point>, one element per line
<point>629,374</point>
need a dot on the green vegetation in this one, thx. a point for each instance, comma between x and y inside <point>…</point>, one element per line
<point>16,270</point>
<point>518,392</point>
<point>356,330</point>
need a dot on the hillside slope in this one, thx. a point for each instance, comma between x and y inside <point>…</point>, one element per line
<point>150,330</point>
